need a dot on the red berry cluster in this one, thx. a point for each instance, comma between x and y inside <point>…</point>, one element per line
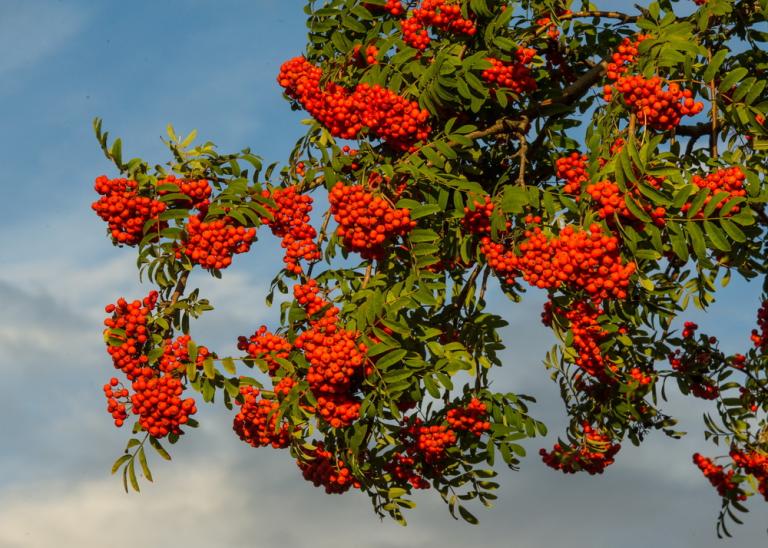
<point>256,422</point>
<point>723,481</point>
<point>442,15</point>
<point>116,407</point>
<point>337,362</point>
<point>322,468</point>
<point>366,222</point>
<point>588,260</point>
<point>477,219</point>
<point>290,221</point>
<point>397,121</point>
<point>432,442</point>
<point>753,463</point>
<point>588,335</point>
<point>612,202</point>
<point>472,418</point>
<point>694,363</point>
<point>573,170</point>
<point>501,259</point>
<point>212,244</point>
<point>730,180</point>
<point>593,456</point>
<point>124,211</point>
<point>197,192</point>
<point>624,56</point>
<point>403,469</point>
<point>129,324</point>
<point>367,57</point>
<point>395,7</point>
<point>654,106</point>
<point>515,75</point>
<point>263,345</point>
<point>760,335</point>
<point>176,355</point>
<point>307,295</point>
<point>157,401</point>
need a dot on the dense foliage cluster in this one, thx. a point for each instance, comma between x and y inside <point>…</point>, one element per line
<point>613,161</point>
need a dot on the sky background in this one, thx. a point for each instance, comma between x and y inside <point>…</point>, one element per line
<point>212,66</point>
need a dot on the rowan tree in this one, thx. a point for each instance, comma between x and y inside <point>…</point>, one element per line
<point>613,161</point>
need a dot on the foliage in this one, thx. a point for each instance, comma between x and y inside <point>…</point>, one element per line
<point>615,161</point>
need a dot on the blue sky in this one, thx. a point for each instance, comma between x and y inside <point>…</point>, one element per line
<point>212,66</point>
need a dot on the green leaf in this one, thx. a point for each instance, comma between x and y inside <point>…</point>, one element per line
<point>229,365</point>
<point>159,448</point>
<point>144,465</point>
<point>119,462</point>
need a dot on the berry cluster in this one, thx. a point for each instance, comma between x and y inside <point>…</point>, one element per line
<point>432,442</point>
<point>694,362</point>
<point>753,463</point>
<point>369,56</point>
<point>290,221</point>
<point>394,7</point>
<point>129,324</point>
<point>337,362</point>
<point>612,202</point>
<point>322,468</point>
<point>472,418</point>
<point>397,121</point>
<point>588,260</point>
<point>760,335</point>
<point>263,345</point>
<point>157,401</point>
<point>197,192</point>
<point>624,56</point>
<point>477,219</point>
<point>515,75</point>
<point>256,422</point>
<point>588,335</point>
<point>730,180</point>
<point>124,211</point>
<point>176,355</point>
<point>654,106</point>
<point>212,244</point>
<point>366,222</point>
<point>502,260</point>
<point>441,15</point>
<point>723,481</point>
<point>573,170</point>
<point>116,407</point>
<point>403,469</point>
<point>593,456</point>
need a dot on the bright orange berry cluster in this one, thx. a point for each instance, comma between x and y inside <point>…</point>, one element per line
<point>256,422</point>
<point>593,456</point>
<point>722,481</point>
<point>624,56</point>
<point>212,244</point>
<point>366,222</point>
<point>431,442</point>
<point>129,324</point>
<point>116,407</point>
<point>290,221</point>
<point>573,170</point>
<point>730,180</point>
<point>266,346</point>
<point>753,463</point>
<point>583,259</point>
<point>197,192</point>
<point>157,401</point>
<point>654,106</point>
<point>369,56</point>
<point>514,75</point>
<point>394,119</point>
<point>124,211</point>
<point>394,7</point>
<point>501,259</point>
<point>612,202</point>
<point>441,15</point>
<point>321,468</point>
<point>176,355</point>
<point>471,418</point>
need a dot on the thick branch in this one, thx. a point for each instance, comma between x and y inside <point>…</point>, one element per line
<point>181,285</point>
